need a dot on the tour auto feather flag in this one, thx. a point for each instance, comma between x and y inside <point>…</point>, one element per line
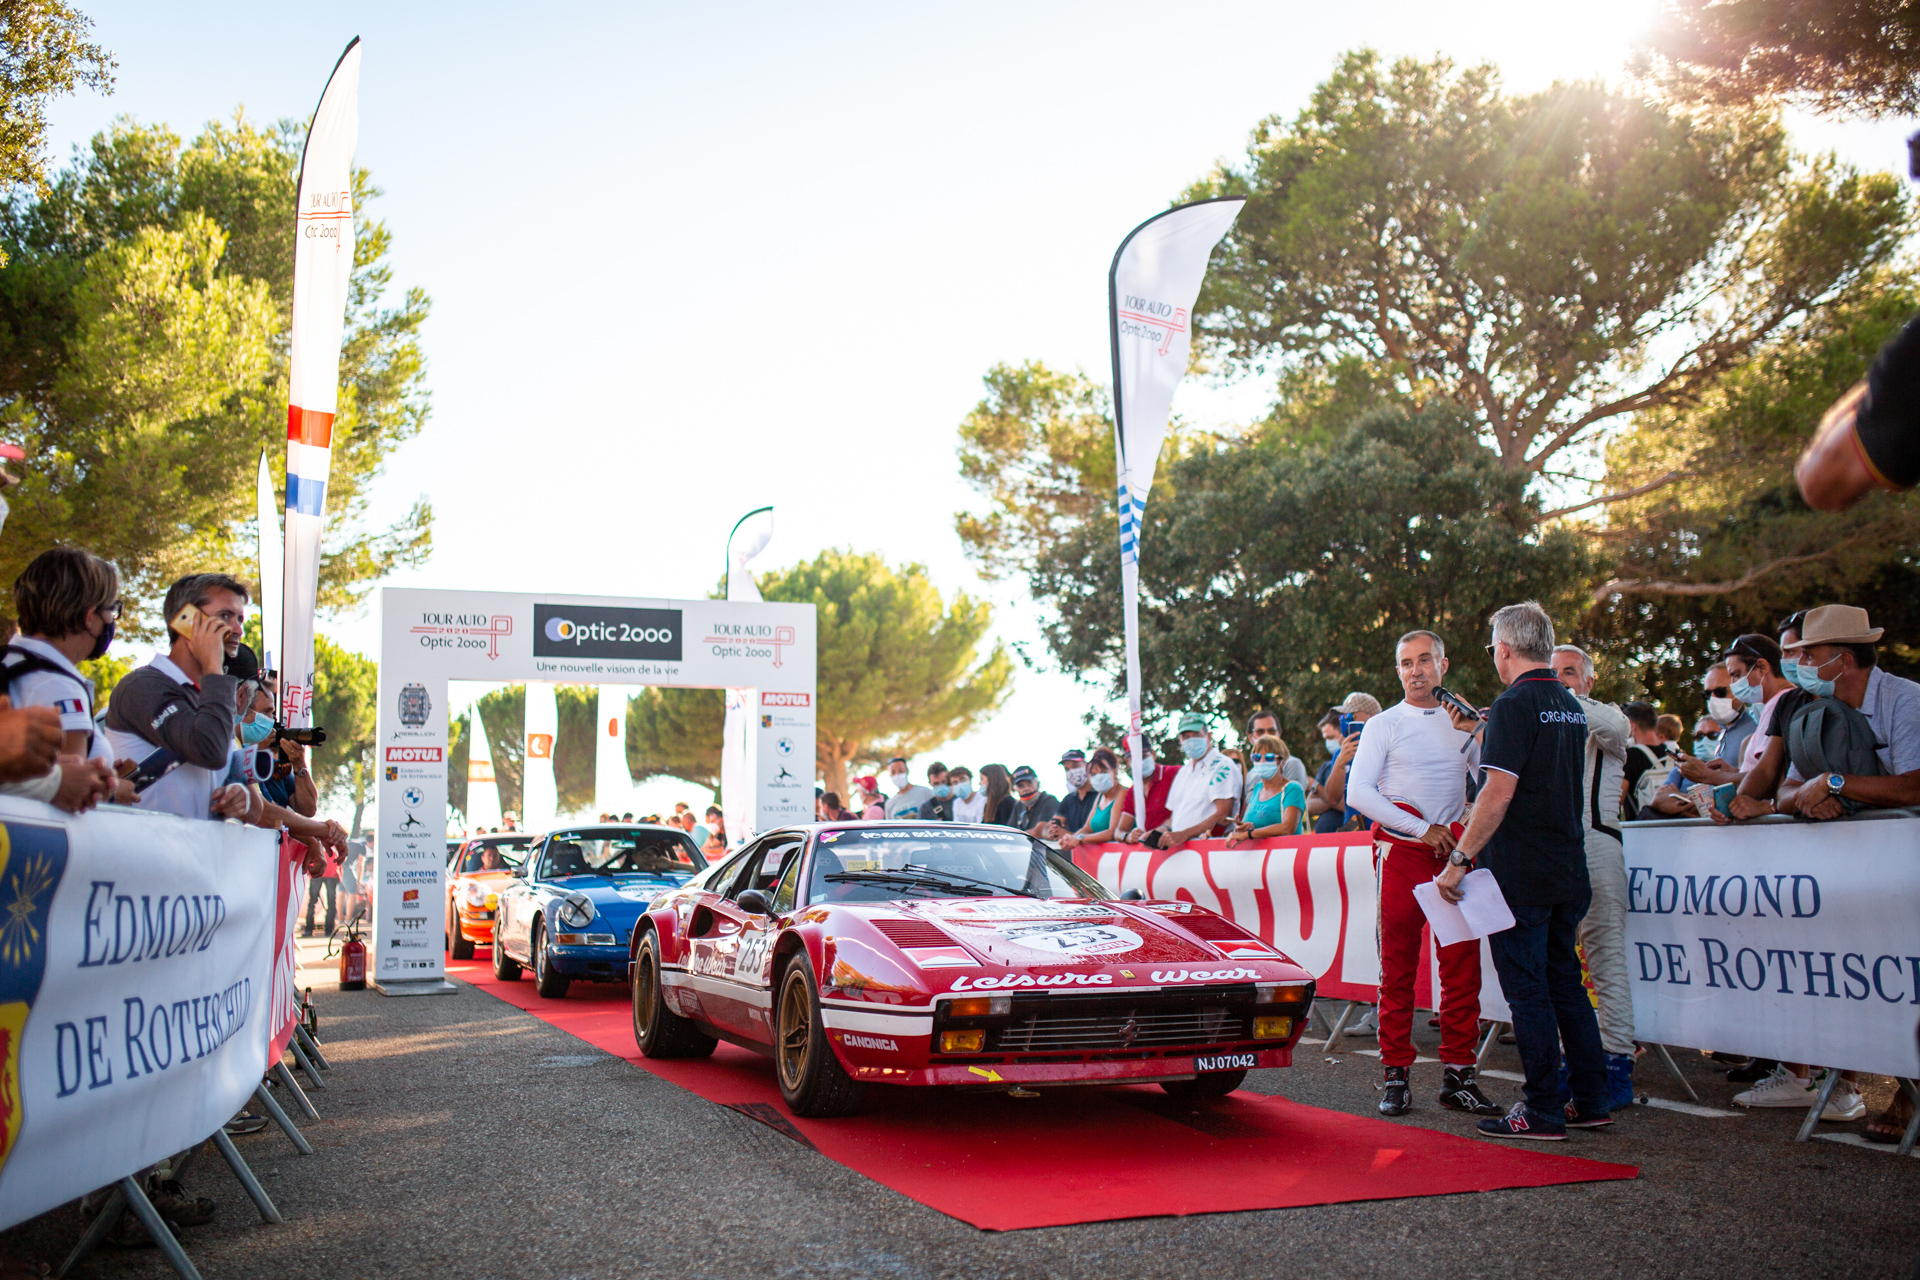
<point>483,791</point>
<point>539,790</point>
<point>738,792</point>
<point>322,267</point>
<point>1155,277</point>
<point>272,565</point>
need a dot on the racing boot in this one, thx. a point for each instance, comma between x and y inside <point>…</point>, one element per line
<point>1620,1080</point>
<point>1395,1094</point>
<point>1460,1091</point>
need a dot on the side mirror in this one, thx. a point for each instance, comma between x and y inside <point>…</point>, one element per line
<point>1133,895</point>
<point>753,902</point>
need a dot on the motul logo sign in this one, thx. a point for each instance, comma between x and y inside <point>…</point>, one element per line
<point>414,755</point>
<point>786,699</point>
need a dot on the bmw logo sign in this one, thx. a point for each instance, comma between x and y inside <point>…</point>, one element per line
<point>413,796</point>
<point>784,746</point>
<point>559,629</point>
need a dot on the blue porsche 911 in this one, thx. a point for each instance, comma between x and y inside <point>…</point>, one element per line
<point>571,907</point>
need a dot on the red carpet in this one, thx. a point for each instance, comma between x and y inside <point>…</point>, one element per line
<point>1079,1155</point>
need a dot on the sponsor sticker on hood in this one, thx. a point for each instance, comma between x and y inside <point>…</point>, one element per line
<point>986,909</point>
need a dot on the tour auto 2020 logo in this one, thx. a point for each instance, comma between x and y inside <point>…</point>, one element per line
<point>597,631</point>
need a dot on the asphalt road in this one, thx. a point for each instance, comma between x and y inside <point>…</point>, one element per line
<point>461,1137</point>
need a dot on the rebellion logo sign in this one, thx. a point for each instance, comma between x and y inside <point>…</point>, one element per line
<point>596,631</point>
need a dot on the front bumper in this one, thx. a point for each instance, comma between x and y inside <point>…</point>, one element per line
<point>476,926</point>
<point>988,1075</point>
<point>596,962</point>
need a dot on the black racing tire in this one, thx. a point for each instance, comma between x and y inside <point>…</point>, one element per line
<point>657,1029</point>
<point>548,981</point>
<point>811,1078</point>
<point>505,967</point>
<point>1210,1084</point>
<point>459,945</point>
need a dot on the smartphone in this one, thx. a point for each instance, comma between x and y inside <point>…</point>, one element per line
<point>1723,797</point>
<point>183,621</point>
<point>153,768</point>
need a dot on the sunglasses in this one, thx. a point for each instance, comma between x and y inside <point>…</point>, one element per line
<point>1720,691</point>
<point>1266,757</point>
<point>1491,648</point>
<point>110,610</point>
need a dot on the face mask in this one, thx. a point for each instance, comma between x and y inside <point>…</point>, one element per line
<point>1721,709</point>
<point>101,641</point>
<point>1809,677</point>
<point>942,791</point>
<point>965,789</point>
<point>1261,772</point>
<point>1790,670</point>
<point>1746,692</point>
<point>1147,765</point>
<point>1193,748</point>
<point>255,730</point>
<point>899,781</point>
<point>1100,781</point>
<point>1077,777</point>
<point>1333,746</point>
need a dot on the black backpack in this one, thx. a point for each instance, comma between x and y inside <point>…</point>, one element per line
<point>1828,736</point>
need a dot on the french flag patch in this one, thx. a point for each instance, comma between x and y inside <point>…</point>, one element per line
<point>70,707</point>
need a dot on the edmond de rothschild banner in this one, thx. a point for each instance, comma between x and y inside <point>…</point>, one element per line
<point>322,269</point>
<point>135,958</point>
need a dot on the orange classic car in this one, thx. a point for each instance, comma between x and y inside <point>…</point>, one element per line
<point>474,878</point>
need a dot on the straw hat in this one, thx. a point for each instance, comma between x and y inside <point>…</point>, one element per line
<point>1836,624</point>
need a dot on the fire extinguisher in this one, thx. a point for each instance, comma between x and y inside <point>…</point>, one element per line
<point>353,961</point>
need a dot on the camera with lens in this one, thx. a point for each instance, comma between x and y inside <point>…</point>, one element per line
<point>311,736</point>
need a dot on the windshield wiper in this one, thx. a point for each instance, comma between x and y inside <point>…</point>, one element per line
<point>934,881</point>
<point>966,879</point>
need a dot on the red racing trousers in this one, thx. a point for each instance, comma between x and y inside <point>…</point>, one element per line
<point>1401,955</point>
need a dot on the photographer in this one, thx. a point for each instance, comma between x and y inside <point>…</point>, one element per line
<point>67,603</point>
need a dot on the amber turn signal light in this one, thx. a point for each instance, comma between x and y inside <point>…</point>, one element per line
<point>963,1041</point>
<point>1272,1028</point>
<point>971,1007</point>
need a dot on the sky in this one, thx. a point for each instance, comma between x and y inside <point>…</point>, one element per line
<point>688,260</point>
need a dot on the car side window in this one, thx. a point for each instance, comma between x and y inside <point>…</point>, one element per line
<point>789,887</point>
<point>740,872</point>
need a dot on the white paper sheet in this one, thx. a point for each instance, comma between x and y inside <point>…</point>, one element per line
<point>1483,911</point>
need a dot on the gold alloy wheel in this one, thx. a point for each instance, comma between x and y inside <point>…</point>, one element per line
<point>796,1029</point>
<point>645,979</point>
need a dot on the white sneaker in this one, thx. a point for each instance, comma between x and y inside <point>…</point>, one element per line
<point>1844,1103</point>
<point>1781,1089</point>
<point>1368,1025</point>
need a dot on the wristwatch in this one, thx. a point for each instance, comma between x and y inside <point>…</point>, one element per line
<point>1459,859</point>
<point>1836,783</point>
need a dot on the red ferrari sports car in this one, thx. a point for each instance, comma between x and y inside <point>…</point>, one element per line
<point>924,953</point>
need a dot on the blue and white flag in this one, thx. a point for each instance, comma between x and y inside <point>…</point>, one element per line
<point>1151,288</point>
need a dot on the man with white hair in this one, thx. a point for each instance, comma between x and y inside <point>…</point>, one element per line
<point>1526,820</point>
<point>1603,930</point>
<point>1409,775</point>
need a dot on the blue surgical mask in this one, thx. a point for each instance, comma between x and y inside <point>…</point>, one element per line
<point>1747,693</point>
<point>1193,748</point>
<point>942,791</point>
<point>1261,772</point>
<point>964,788</point>
<point>1333,746</point>
<point>1790,670</point>
<point>255,731</point>
<point>1809,676</point>
<point>1100,781</point>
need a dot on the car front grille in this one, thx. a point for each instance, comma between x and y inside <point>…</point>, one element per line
<point>1124,1022</point>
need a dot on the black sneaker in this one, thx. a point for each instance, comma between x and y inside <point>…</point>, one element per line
<point>1460,1091</point>
<point>1395,1094</point>
<point>1523,1122</point>
<point>1578,1119</point>
<point>1753,1072</point>
<point>171,1202</point>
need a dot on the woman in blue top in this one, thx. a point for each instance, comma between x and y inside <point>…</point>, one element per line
<point>1275,807</point>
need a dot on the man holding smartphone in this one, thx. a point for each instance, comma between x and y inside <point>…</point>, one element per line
<point>184,704</point>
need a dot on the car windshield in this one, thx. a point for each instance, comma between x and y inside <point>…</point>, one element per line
<point>495,855</point>
<point>667,855</point>
<point>877,864</point>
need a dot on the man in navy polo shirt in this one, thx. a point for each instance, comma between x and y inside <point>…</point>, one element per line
<point>1526,820</point>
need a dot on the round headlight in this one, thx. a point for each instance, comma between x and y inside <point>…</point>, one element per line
<point>576,910</point>
<point>476,894</point>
